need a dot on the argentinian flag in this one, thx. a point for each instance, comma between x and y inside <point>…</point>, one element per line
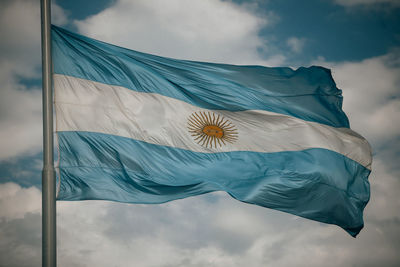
<point>139,128</point>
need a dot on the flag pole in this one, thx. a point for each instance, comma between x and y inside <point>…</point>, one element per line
<point>48,174</point>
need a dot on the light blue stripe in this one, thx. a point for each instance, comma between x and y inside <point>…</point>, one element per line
<point>318,184</point>
<point>306,93</point>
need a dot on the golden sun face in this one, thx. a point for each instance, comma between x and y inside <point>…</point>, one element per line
<point>210,130</point>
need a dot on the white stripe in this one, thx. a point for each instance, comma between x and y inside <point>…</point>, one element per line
<point>83,105</point>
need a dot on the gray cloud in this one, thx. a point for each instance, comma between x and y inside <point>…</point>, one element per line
<point>296,44</point>
<point>20,225</point>
<point>20,243</point>
<point>212,30</point>
<point>20,105</point>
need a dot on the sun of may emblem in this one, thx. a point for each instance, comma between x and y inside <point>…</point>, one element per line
<point>210,130</point>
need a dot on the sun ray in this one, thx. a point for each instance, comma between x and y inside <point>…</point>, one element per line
<point>223,124</point>
<point>205,122</point>
<point>219,141</point>
<point>218,122</point>
<point>209,118</point>
<point>205,140</point>
<point>197,118</point>
<point>202,139</point>
<point>208,140</point>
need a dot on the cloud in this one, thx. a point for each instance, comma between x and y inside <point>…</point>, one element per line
<point>296,44</point>
<point>20,225</point>
<point>20,119</point>
<point>16,201</point>
<point>371,95</point>
<point>353,3</point>
<point>20,44</point>
<point>58,15</point>
<point>209,30</point>
<point>20,105</point>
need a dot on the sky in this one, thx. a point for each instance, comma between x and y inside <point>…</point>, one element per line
<point>359,40</point>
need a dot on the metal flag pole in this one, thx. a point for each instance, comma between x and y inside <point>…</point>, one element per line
<point>49,240</point>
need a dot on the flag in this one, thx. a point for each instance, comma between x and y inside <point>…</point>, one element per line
<point>139,128</point>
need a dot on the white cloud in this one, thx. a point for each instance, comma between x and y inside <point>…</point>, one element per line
<point>58,15</point>
<point>16,201</point>
<point>296,44</point>
<point>371,95</point>
<point>20,225</point>
<point>20,119</point>
<point>208,30</point>
<point>385,185</point>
